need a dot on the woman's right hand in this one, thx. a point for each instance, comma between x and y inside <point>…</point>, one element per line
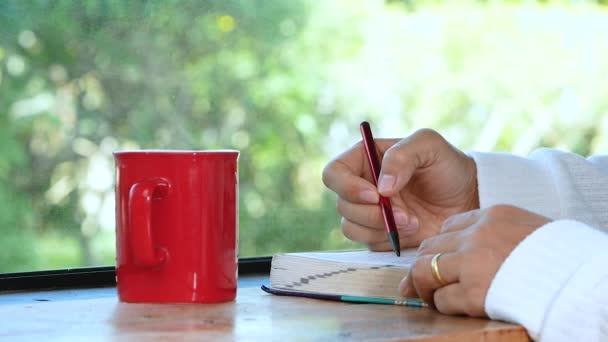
<point>426,178</point>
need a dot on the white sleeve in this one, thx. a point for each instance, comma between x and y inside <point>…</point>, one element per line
<point>555,282</point>
<point>555,184</point>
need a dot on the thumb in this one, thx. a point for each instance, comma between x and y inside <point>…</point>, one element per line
<point>402,159</point>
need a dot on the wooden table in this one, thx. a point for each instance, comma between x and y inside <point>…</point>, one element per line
<point>96,314</point>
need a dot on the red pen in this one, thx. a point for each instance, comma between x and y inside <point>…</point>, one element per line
<point>385,203</point>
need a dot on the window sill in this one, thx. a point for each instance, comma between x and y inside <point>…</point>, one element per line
<point>97,276</point>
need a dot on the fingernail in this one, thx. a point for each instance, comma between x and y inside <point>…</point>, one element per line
<point>386,183</point>
<point>414,224</point>
<point>400,219</point>
<point>369,196</point>
<point>411,227</point>
<point>403,288</point>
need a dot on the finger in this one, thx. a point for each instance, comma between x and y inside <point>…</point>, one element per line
<point>346,181</point>
<point>442,243</point>
<point>450,299</point>
<point>403,158</point>
<point>461,221</point>
<point>423,280</point>
<point>375,238</point>
<point>384,246</point>
<point>406,287</point>
<point>363,234</point>
<point>370,215</point>
<point>407,239</point>
<point>453,299</point>
<point>348,175</point>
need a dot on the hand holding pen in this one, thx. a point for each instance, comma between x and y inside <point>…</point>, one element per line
<point>426,179</point>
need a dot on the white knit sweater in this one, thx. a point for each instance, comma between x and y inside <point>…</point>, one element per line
<point>555,282</point>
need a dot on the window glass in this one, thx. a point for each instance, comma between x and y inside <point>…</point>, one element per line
<point>284,82</point>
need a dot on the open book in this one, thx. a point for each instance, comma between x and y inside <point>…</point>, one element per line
<point>327,274</point>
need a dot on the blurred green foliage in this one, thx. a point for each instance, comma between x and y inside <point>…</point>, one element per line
<point>285,82</point>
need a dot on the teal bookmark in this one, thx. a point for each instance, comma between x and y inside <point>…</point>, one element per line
<point>407,302</point>
<point>415,302</point>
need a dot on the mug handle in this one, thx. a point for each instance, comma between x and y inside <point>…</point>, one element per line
<point>140,214</point>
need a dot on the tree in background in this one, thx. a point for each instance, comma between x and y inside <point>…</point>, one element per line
<point>285,82</point>
<point>85,78</point>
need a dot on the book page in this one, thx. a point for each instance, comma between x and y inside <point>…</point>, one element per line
<point>364,257</point>
<point>355,273</point>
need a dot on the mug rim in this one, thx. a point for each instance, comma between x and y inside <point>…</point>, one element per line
<point>160,151</point>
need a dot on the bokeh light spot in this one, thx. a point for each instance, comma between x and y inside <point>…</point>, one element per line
<point>226,23</point>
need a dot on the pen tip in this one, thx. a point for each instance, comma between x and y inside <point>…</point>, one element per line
<point>394,238</point>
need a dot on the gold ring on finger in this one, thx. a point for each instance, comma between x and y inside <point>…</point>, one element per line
<point>435,269</point>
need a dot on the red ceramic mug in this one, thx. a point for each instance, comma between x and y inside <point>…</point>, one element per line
<point>176,226</point>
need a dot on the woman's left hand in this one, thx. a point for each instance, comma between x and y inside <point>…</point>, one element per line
<point>473,246</point>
